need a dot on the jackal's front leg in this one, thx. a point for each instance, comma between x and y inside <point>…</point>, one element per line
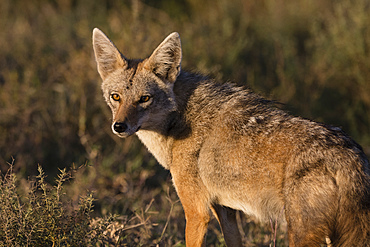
<point>195,203</point>
<point>227,219</point>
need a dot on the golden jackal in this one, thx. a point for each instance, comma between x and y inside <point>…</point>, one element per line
<point>229,149</point>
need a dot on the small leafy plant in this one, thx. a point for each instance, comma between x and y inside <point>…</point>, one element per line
<point>39,214</point>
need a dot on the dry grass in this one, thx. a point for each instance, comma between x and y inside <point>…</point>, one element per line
<point>36,214</point>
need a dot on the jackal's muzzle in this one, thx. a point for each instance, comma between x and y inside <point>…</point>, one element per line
<point>123,129</point>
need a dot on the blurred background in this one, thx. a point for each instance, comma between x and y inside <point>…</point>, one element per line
<point>311,55</point>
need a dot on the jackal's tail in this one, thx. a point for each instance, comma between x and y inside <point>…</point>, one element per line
<point>352,230</point>
<point>352,224</point>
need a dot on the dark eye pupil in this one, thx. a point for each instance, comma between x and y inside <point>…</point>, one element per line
<point>144,98</point>
<point>115,97</point>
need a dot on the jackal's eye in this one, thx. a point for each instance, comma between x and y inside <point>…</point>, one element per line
<point>115,97</point>
<point>144,99</point>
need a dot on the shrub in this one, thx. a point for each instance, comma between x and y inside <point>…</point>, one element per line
<point>39,215</point>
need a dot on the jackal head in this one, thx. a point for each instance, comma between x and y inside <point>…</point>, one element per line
<point>139,92</point>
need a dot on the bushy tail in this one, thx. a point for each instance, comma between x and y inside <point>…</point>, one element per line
<point>352,226</point>
<point>352,230</point>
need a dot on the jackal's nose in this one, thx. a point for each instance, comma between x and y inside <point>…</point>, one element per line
<point>119,127</point>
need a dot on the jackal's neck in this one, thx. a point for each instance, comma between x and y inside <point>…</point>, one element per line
<point>193,95</point>
<point>158,144</point>
<point>174,125</point>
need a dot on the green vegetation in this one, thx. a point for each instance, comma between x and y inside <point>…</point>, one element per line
<point>36,215</point>
<point>312,56</point>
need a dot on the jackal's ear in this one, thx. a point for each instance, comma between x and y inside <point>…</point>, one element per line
<point>107,56</point>
<point>165,61</point>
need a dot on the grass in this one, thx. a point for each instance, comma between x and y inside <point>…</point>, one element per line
<point>310,55</point>
<point>38,215</point>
